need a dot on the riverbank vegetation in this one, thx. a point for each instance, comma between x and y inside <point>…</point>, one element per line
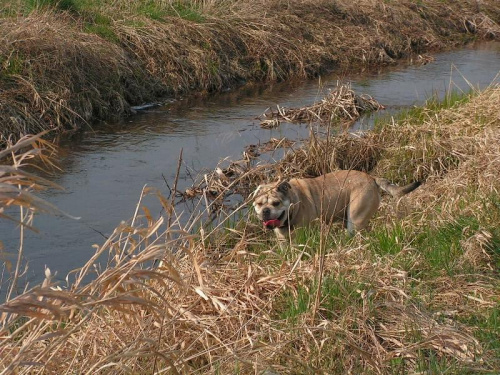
<point>67,63</point>
<point>417,293</point>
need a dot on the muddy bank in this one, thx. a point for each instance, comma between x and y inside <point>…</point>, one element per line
<point>72,63</point>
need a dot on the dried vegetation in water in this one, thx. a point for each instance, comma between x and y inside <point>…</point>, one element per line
<point>340,106</point>
<point>64,64</point>
<point>418,293</point>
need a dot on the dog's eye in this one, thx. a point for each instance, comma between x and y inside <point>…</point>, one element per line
<point>276,204</point>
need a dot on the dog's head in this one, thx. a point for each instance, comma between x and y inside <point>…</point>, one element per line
<point>272,204</point>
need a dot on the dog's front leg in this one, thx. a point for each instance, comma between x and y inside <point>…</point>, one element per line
<point>283,236</point>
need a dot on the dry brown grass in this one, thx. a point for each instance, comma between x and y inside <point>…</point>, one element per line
<point>437,143</point>
<point>17,189</point>
<point>340,106</point>
<point>56,77</point>
<point>221,301</point>
<point>64,69</point>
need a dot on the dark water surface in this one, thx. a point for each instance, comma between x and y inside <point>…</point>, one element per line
<point>105,171</point>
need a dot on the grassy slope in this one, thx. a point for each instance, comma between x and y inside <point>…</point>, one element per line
<point>418,293</point>
<point>65,63</point>
<point>421,289</point>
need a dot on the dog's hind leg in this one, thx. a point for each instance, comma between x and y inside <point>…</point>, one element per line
<point>359,213</point>
<point>351,228</point>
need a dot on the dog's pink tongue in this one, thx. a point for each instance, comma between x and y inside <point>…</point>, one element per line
<point>272,223</point>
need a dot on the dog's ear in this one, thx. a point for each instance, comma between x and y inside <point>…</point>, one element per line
<point>284,187</point>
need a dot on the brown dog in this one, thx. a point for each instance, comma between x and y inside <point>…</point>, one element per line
<point>349,196</point>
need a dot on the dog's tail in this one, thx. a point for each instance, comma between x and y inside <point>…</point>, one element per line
<point>395,190</point>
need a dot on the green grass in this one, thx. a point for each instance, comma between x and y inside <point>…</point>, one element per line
<point>157,11</point>
<point>491,211</point>
<point>101,25</point>
<point>187,10</point>
<point>488,329</point>
<point>152,9</point>
<point>99,15</point>
<point>307,240</point>
<point>429,362</point>
<point>419,114</point>
<point>387,240</point>
<point>338,294</point>
<point>295,303</point>
<point>70,5</point>
<point>76,7</point>
<point>441,247</point>
<point>451,99</point>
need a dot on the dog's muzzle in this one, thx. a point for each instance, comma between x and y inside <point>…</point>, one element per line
<point>274,223</point>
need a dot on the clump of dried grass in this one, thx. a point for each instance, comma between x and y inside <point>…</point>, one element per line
<point>54,76</point>
<point>423,332</point>
<point>342,151</point>
<point>341,105</point>
<point>483,25</point>
<point>437,142</point>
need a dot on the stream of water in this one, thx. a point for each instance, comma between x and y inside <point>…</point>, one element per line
<point>104,171</point>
